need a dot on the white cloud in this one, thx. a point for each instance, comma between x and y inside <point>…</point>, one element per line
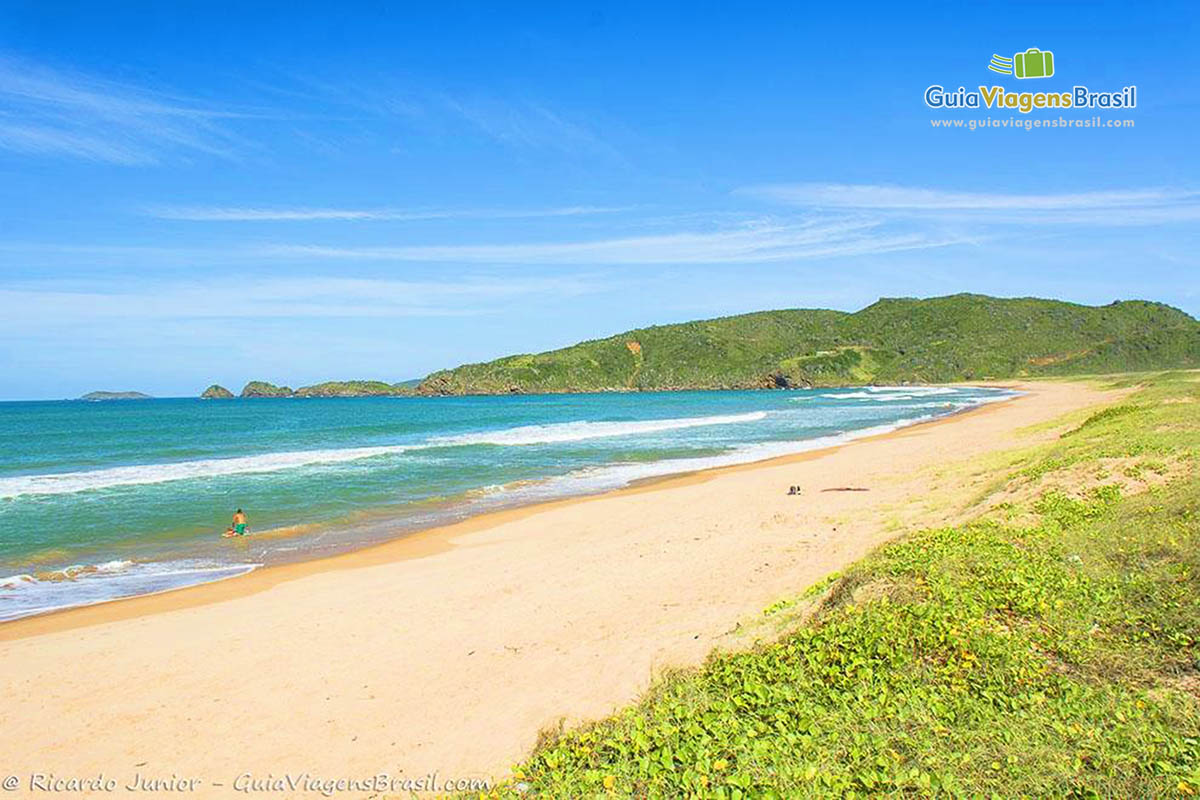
<point>45,111</point>
<point>250,214</point>
<point>49,112</point>
<point>841,195</point>
<point>43,140</point>
<point>757,241</point>
<point>1120,207</point>
<point>42,304</point>
<point>528,124</point>
<point>377,104</point>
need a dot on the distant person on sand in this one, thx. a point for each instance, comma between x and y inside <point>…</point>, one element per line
<point>239,523</point>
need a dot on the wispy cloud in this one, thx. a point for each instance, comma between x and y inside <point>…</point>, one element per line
<point>58,112</point>
<point>401,108</point>
<point>245,214</point>
<point>750,241</point>
<point>1119,207</point>
<point>758,241</point>
<point>528,124</point>
<point>842,195</point>
<point>71,114</point>
<point>41,304</point>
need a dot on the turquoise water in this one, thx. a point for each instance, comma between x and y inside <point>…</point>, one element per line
<point>104,500</point>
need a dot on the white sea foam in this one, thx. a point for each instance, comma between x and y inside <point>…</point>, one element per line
<point>916,390</point>
<point>14,581</point>
<point>70,482</point>
<point>146,474</point>
<point>116,565</point>
<point>581,430</point>
<point>82,585</point>
<point>612,476</point>
<point>891,394</point>
<point>876,397</point>
<point>142,474</point>
<point>997,398</point>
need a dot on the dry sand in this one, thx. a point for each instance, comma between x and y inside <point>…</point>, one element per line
<point>449,650</point>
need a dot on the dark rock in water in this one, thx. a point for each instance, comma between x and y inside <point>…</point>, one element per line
<point>216,392</point>
<point>95,396</point>
<point>264,389</point>
<point>777,380</point>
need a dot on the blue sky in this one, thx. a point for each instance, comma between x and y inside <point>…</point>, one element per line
<point>199,192</point>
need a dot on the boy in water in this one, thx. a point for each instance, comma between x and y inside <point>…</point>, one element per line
<point>239,523</point>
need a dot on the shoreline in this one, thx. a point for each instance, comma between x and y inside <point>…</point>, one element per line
<point>440,538</point>
<point>450,651</point>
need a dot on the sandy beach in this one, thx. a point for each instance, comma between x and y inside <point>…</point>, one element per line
<point>448,651</point>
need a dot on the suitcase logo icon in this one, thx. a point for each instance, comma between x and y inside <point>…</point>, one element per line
<point>1033,63</point>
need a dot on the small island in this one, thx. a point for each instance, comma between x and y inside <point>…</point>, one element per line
<point>216,392</point>
<point>255,389</point>
<point>354,389</point>
<point>100,396</point>
<point>264,389</point>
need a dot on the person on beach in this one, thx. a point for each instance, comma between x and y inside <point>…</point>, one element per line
<point>239,523</point>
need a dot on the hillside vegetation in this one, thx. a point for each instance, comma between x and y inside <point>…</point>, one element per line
<point>1050,648</point>
<point>353,389</point>
<point>960,337</point>
<point>265,389</point>
<point>326,389</point>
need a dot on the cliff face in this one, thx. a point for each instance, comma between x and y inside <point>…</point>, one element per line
<point>216,392</point>
<point>264,389</point>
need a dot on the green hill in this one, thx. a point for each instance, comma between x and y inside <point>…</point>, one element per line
<point>895,340</point>
<point>326,389</point>
<point>353,389</point>
<point>264,389</point>
<point>216,392</point>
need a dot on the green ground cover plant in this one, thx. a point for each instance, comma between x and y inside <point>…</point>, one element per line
<point>1050,650</point>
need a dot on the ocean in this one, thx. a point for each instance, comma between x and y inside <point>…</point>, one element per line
<point>112,499</point>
